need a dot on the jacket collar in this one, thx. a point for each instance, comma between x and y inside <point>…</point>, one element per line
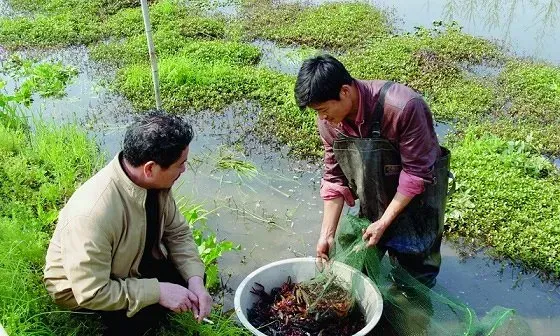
<point>135,192</point>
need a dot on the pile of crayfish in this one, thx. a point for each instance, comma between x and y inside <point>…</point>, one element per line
<point>302,309</point>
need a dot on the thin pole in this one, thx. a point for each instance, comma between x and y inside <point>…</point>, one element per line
<point>151,50</point>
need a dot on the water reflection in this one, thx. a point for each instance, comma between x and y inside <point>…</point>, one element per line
<point>504,14</point>
<point>5,9</point>
<point>527,27</point>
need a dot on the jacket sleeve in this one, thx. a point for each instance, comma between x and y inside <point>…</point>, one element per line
<point>418,146</point>
<point>179,240</point>
<point>86,251</point>
<point>333,184</point>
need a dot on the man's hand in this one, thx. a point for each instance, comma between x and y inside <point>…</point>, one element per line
<point>374,232</point>
<point>204,300</point>
<point>176,298</point>
<point>323,247</point>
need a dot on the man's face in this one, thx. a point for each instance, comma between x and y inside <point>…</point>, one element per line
<point>334,111</point>
<point>164,178</point>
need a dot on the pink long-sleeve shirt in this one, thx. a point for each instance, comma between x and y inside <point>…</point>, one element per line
<point>407,124</point>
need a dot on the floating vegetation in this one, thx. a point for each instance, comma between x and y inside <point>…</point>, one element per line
<point>228,160</point>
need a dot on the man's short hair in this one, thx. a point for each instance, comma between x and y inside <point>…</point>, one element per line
<point>320,79</point>
<point>157,136</point>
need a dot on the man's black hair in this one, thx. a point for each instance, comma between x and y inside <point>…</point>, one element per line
<point>320,79</point>
<point>158,137</point>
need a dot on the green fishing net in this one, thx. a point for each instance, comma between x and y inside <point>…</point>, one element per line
<point>409,307</point>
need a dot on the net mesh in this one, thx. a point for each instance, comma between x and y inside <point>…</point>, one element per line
<point>409,307</point>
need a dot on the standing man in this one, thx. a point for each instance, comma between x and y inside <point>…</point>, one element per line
<point>121,247</point>
<point>380,147</point>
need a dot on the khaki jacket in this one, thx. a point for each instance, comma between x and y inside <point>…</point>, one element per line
<point>93,257</point>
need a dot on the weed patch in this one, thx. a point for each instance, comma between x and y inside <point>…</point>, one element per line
<point>167,13</point>
<point>49,30</point>
<point>39,173</point>
<point>333,26</point>
<point>171,42</point>
<point>187,84</point>
<point>57,23</point>
<point>505,200</point>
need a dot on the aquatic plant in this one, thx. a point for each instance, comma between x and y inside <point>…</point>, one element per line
<point>338,26</point>
<point>505,199</point>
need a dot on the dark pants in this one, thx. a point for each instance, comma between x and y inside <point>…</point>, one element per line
<point>148,319</point>
<point>423,267</point>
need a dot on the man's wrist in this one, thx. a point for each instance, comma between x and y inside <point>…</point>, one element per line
<point>385,221</point>
<point>196,281</point>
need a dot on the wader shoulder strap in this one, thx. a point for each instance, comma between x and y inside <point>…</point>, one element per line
<point>378,111</point>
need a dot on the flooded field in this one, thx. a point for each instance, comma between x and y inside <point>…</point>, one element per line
<point>274,211</point>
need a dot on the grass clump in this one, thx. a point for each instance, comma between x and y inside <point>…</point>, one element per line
<point>543,137</point>
<point>187,83</point>
<point>462,99</point>
<point>56,23</point>
<point>170,42</point>
<point>165,13</point>
<point>533,90</point>
<point>526,105</point>
<point>102,7</point>
<point>51,23</point>
<point>505,200</point>
<point>57,6</point>
<point>224,325</point>
<point>29,79</point>
<point>39,173</point>
<point>49,30</point>
<point>134,49</point>
<point>340,26</point>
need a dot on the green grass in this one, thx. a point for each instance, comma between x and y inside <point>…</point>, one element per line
<point>165,13</point>
<point>39,172</point>
<point>543,137</point>
<point>533,90</point>
<point>224,325</point>
<point>57,6</point>
<point>187,84</point>
<point>171,42</point>
<point>505,200</point>
<point>49,30</point>
<point>339,26</point>
<point>57,23</point>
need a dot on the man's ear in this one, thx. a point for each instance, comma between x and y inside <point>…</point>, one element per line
<point>149,169</point>
<point>345,91</point>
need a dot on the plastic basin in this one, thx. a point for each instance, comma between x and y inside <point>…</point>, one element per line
<point>300,269</point>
